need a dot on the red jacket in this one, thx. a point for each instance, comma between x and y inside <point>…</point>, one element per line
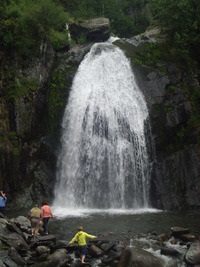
<point>46,211</point>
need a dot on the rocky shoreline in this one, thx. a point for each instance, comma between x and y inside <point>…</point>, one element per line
<point>19,248</point>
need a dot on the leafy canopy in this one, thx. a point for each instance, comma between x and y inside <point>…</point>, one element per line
<point>127,17</point>
<point>181,22</point>
<point>24,23</point>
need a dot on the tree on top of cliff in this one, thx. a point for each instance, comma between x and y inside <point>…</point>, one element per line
<point>24,23</point>
<point>180,20</point>
<point>127,17</point>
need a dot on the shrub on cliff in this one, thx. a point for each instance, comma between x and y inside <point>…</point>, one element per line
<point>25,23</point>
<point>180,21</point>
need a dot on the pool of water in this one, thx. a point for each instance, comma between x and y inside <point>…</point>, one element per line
<point>116,225</point>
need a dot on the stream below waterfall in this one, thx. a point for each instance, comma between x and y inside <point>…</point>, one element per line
<point>123,226</point>
<point>118,226</point>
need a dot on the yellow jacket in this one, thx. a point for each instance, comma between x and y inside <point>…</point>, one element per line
<point>35,212</point>
<point>81,238</point>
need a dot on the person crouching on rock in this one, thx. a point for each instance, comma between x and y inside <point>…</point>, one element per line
<point>81,238</point>
<point>35,216</point>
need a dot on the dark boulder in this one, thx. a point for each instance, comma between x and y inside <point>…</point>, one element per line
<point>169,251</point>
<point>15,240</point>
<point>95,251</point>
<point>178,231</point>
<point>134,256</point>
<point>14,255</point>
<point>192,256</point>
<point>93,30</point>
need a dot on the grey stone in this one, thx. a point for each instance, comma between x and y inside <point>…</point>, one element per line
<point>134,256</point>
<point>14,255</point>
<point>95,30</point>
<point>192,256</point>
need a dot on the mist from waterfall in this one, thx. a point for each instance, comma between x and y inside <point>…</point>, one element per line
<point>103,161</point>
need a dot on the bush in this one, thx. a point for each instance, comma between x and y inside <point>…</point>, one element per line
<point>25,23</point>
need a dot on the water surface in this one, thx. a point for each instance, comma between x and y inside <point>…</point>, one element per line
<point>123,226</point>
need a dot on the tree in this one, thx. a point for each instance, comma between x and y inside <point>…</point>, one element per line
<point>180,21</point>
<point>127,17</point>
<point>24,23</point>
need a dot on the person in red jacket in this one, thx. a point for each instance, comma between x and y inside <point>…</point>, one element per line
<point>46,215</point>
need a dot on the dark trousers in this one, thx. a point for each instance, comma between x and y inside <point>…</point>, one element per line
<point>45,224</point>
<point>2,210</point>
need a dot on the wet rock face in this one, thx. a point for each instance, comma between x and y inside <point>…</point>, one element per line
<point>25,122</point>
<point>176,183</point>
<point>176,168</point>
<point>29,105</point>
<point>175,180</point>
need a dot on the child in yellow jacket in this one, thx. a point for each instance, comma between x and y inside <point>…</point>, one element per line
<point>81,238</point>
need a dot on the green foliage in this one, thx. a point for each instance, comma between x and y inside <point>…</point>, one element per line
<point>24,23</point>
<point>81,39</point>
<point>127,17</point>
<point>58,39</point>
<point>148,54</point>
<point>171,88</point>
<point>10,141</point>
<point>180,21</point>
<point>168,108</point>
<point>21,87</point>
<point>195,99</point>
<point>15,143</point>
<point>57,100</point>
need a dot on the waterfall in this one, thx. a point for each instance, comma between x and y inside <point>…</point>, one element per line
<point>68,33</point>
<point>104,162</point>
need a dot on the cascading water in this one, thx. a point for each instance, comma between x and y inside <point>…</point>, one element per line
<point>104,162</point>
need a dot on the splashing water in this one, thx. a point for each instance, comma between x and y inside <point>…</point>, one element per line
<point>103,162</point>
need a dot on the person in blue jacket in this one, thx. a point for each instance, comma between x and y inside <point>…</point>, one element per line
<point>3,200</point>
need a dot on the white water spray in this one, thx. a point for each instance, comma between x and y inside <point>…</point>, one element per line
<point>68,33</point>
<point>104,162</point>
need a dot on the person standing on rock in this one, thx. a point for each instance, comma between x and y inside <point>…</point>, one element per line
<point>35,215</point>
<point>3,200</point>
<point>81,238</point>
<point>46,215</point>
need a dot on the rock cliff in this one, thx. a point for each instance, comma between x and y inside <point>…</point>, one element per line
<point>30,119</point>
<point>175,182</point>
